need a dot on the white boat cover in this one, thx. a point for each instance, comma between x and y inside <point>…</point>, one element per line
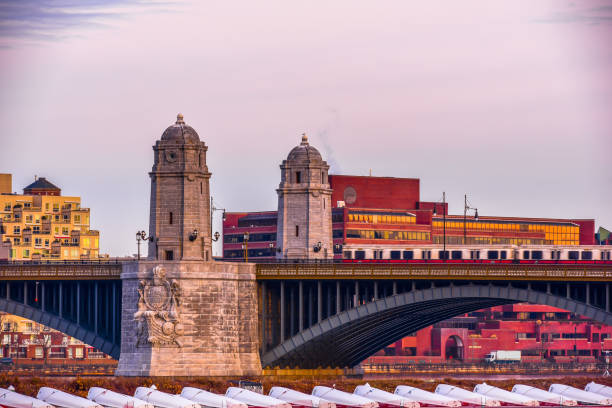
<point>579,395</point>
<point>255,399</point>
<point>63,399</point>
<point>13,399</point>
<point>108,398</point>
<point>426,397</point>
<point>599,389</point>
<point>543,396</point>
<point>384,397</point>
<point>163,399</point>
<point>343,398</point>
<point>209,399</point>
<point>466,396</point>
<point>505,396</point>
<point>299,398</point>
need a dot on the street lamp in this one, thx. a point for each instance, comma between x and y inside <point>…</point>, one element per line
<point>141,236</point>
<point>443,222</point>
<point>245,246</point>
<point>467,208</point>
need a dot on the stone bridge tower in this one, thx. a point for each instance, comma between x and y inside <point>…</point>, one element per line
<point>304,206</point>
<point>184,314</point>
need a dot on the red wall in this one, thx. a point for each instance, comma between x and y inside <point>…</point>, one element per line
<point>587,231</point>
<point>377,192</point>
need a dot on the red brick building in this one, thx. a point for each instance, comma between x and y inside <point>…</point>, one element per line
<point>542,333</point>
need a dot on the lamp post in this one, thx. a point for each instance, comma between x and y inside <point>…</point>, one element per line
<point>141,236</point>
<point>467,208</point>
<point>245,246</point>
<point>443,223</point>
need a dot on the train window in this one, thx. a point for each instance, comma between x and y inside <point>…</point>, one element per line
<point>442,254</point>
<point>347,255</point>
<point>525,254</point>
<point>474,254</point>
<point>426,254</point>
<point>536,254</point>
<point>396,255</point>
<point>605,255</point>
<point>456,254</point>
<point>502,255</point>
<point>359,254</point>
<point>587,255</point>
<point>492,254</point>
<point>573,255</point>
<point>408,254</point>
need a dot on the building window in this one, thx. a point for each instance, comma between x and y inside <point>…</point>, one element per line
<point>169,255</point>
<point>36,229</point>
<point>64,230</point>
<point>77,219</point>
<point>297,230</point>
<point>170,220</point>
<point>17,230</point>
<point>55,207</point>
<point>28,219</point>
<point>26,253</point>
<point>298,177</point>
<point>27,205</point>
<point>37,241</point>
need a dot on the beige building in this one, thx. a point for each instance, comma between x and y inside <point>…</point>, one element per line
<point>41,224</point>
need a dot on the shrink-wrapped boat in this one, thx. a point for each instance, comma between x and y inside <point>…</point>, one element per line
<point>299,398</point>
<point>343,398</point>
<point>12,399</point>
<point>425,397</point>
<point>465,396</point>
<point>579,395</point>
<point>209,399</point>
<point>384,398</point>
<point>108,398</point>
<point>163,399</point>
<point>63,399</point>
<point>255,399</point>
<point>505,397</point>
<point>543,396</point>
<point>599,389</point>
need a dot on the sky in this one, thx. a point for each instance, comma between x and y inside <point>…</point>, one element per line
<point>507,101</point>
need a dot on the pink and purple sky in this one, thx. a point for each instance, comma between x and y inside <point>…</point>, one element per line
<point>509,101</point>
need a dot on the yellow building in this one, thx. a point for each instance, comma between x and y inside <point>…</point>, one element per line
<point>42,224</point>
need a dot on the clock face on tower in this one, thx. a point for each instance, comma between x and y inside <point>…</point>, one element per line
<point>170,156</point>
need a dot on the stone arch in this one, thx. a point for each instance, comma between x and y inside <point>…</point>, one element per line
<point>347,338</point>
<point>63,325</point>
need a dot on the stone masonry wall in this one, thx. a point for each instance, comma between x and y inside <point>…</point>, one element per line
<point>218,311</point>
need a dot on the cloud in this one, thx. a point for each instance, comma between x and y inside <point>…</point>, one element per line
<point>48,20</point>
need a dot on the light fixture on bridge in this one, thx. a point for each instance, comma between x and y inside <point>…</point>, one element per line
<point>467,208</point>
<point>317,247</point>
<point>194,235</point>
<point>216,236</point>
<point>142,236</point>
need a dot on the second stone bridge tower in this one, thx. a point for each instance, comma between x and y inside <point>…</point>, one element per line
<point>184,314</point>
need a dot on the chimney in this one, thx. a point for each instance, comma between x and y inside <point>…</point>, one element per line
<point>6,183</point>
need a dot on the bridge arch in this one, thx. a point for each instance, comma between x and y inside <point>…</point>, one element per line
<point>63,325</point>
<point>347,338</point>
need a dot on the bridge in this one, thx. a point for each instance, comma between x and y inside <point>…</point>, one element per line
<point>80,298</point>
<point>336,315</point>
<point>315,315</point>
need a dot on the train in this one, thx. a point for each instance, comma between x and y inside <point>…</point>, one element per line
<point>504,254</point>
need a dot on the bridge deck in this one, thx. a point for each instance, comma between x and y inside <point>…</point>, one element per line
<point>110,270</point>
<point>438,271</point>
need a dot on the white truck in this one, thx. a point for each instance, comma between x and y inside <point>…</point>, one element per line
<point>503,357</point>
